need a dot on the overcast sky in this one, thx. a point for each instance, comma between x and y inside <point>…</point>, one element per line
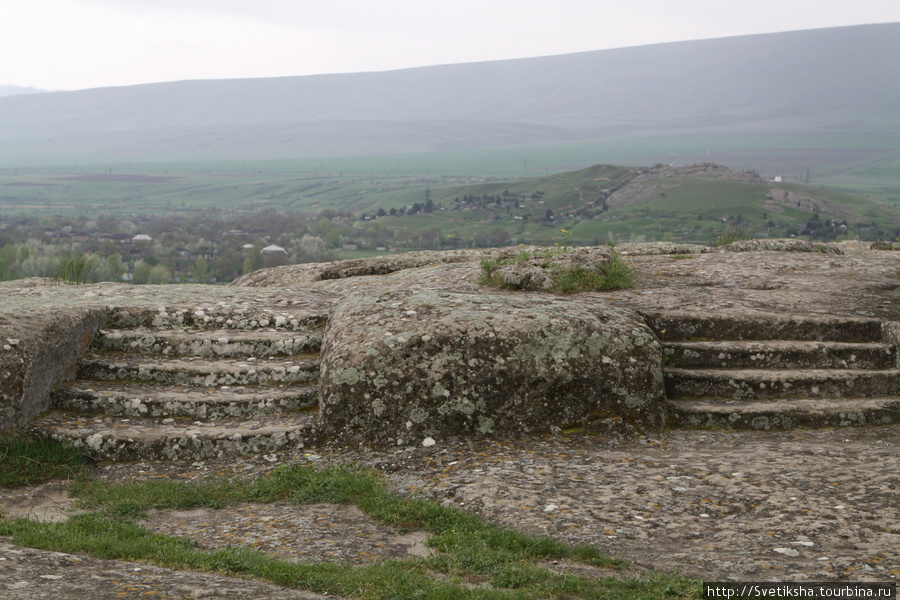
<point>76,44</point>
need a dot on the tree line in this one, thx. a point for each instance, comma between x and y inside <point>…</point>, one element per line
<point>208,247</point>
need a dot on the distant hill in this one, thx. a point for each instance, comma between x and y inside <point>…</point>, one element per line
<point>14,90</point>
<point>828,86</point>
<point>614,203</point>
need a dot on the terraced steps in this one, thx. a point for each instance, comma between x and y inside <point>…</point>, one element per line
<point>126,439</point>
<point>209,403</point>
<point>679,325</point>
<point>199,371</point>
<point>773,384</point>
<point>782,354</point>
<point>190,393</point>
<point>208,343</point>
<point>788,414</point>
<point>769,371</point>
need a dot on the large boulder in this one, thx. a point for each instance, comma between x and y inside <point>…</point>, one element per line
<point>404,366</point>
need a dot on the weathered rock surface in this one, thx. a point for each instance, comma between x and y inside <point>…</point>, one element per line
<point>28,574</point>
<point>43,351</point>
<point>409,365</point>
<point>657,248</point>
<point>524,276</point>
<point>781,245</point>
<point>214,343</point>
<point>291,275</point>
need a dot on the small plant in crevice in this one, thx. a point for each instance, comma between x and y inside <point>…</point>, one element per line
<point>564,243</point>
<point>735,231</point>
<point>75,270</point>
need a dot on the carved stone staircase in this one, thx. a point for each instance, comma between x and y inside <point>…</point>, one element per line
<point>197,389</point>
<point>772,372</point>
<point>194,392</point>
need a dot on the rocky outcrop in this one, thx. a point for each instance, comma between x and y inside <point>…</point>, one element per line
<point>781,245</point>
<point>509,362</point>
<point>45,351</point>
<point>291,275</point>
<point>405,366</point>
<point>656,248</point>
<point>659,178</point>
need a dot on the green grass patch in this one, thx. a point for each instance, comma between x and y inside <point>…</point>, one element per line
<point>472,559</point>
<point>27,462</point>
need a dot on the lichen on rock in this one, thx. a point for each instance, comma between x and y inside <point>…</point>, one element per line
<point>403,366</point>
<point>781,245</point>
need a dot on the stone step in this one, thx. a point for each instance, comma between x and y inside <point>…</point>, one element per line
<point>141,400</point>
<point>787,414</point>
<point>208,342</point>
<point>130,439</point>
<point>749,384</point>
<point>200,371</point>
<point>780,355</point>
<point>296,318</point>
<point>678,325</point>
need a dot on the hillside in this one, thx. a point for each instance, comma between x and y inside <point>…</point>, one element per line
<point>603,203</point>
<point>613,203</point>
<point>743,97</point>
<point>14,90</point>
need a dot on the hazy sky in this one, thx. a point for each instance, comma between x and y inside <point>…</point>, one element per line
<point>75,44</point>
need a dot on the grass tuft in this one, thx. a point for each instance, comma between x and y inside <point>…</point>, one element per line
<point>30,461</point>
<point>75,270</point>
<point>735,231</point>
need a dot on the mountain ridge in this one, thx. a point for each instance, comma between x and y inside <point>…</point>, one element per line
<point>812,80</point>
<point>16,90</point>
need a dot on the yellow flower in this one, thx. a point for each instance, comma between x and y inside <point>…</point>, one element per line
<point>564,231</point>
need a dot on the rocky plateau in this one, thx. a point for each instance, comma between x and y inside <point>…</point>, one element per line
<point>731,416</point>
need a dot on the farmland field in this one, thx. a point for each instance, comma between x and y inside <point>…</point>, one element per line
<point>862,174</point>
